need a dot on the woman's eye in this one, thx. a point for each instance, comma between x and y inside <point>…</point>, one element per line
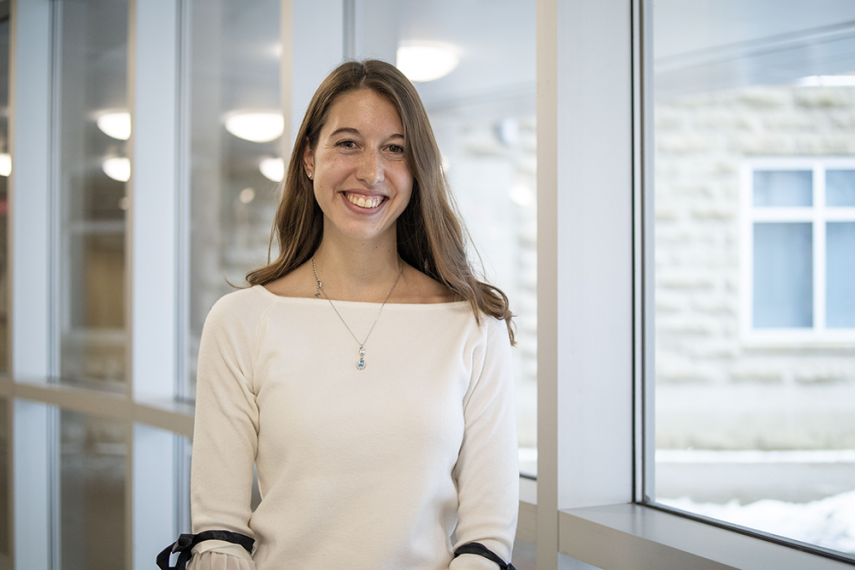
<point>347,144</point>
<point>397,149</point>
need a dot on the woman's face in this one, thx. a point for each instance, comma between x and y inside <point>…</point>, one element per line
<point>361,178</point>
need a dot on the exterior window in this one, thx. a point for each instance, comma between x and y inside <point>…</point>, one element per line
<point>754,242</point>
<point>799,236</point>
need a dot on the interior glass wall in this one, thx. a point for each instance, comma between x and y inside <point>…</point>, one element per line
<point>754,269</point>
<point>482,110</point>
<point>235,120</point>
<point>91,54</point>
<point>93,454</point>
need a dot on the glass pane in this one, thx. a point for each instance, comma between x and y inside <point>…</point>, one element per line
<point>93,128</point>
<point>5,534</point>
<point>525,555</point>
<point>840,188</point>
<point>92,492</point>
<point>483,114</point>
<point>840,275</point>
<point>755,414</point>
<point>783,188</point>
<point>234,72</point>
<point>783,275</point>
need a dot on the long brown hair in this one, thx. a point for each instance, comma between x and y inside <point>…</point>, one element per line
<point>430,235</point>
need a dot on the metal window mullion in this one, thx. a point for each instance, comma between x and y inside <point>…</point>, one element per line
<point>183,203</point>
<point>34,452</point>
<point>819,277</point>
<point>782,214</point>
<point>30,223</point>
<point>839,214</point>
<point>153,244</point>
<point>547,283</point>
<point>644,247</point>
<point>35,468</point>
<point>152,214</point>
<point>746,216</point>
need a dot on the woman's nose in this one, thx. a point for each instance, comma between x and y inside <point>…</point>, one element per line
<point>370,168</point>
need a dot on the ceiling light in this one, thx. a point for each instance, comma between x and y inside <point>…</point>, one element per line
<point>426,62</point>
<point>5,164</point>
<point>246,195</point>
<point>255,126</point>
<point>272,169</point>
<point>521,195</point>
<point>116,124</point>
<point>827,81</point>
<point>117,168</point>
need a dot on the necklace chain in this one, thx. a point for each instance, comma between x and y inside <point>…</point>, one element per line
<point>320,291</point>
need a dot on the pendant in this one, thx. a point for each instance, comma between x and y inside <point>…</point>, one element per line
<point>361,364</point>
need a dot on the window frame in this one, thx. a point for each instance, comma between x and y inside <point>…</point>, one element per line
<point>593,528</point>
<point>818,215</point>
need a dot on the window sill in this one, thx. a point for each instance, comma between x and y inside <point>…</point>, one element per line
<point>630,536</point>
<point>798,338</point>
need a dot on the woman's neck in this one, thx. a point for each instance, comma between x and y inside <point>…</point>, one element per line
<point>357,271</point>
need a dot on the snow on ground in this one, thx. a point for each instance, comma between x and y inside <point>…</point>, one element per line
<point>828,522</point>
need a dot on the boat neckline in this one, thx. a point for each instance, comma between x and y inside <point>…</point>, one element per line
<point>265,291</point>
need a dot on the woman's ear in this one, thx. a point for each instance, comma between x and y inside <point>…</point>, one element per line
<point>309,160</point>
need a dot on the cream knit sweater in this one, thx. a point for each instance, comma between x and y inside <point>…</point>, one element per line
<point>362,469</point>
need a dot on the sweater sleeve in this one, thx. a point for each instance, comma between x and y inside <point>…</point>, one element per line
<point>487,470</point>
<point>225,435</point>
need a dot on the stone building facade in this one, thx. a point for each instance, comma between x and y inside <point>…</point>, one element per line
<point>715,388</point>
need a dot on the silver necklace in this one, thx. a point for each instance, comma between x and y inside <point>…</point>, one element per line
<point>320,291</point>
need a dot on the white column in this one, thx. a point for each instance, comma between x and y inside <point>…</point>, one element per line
<point>35,484</point>
<point>585,261</point>
<point>29,190</point>
<point>155,494</point>
<point>154,249</point>
<point>316,48</point>
<point>32,455</point>
<point>153,189</point>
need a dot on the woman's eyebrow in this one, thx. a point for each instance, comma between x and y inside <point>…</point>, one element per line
<point>351,130</point>
<point>341,130</point>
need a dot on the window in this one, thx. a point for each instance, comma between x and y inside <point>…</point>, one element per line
<point>798,229</point>
<point>483,113</point>
<point>754,270</point>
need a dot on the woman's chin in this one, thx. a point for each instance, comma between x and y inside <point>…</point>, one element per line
<point>363,232</point>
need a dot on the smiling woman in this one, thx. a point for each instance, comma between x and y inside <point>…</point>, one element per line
<point>417,440</point>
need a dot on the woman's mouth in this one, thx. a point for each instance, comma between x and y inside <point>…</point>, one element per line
<point>367,202</point>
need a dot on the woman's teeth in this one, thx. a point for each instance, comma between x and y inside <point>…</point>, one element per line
<point>365,201</point>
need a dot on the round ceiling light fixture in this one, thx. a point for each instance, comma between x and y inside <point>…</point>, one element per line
<point>116,124</point>
<point>255,126</point>
<point>117,168</point>
<point>272,169</point>
<point>5,164</point>
<point>426,61</point>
